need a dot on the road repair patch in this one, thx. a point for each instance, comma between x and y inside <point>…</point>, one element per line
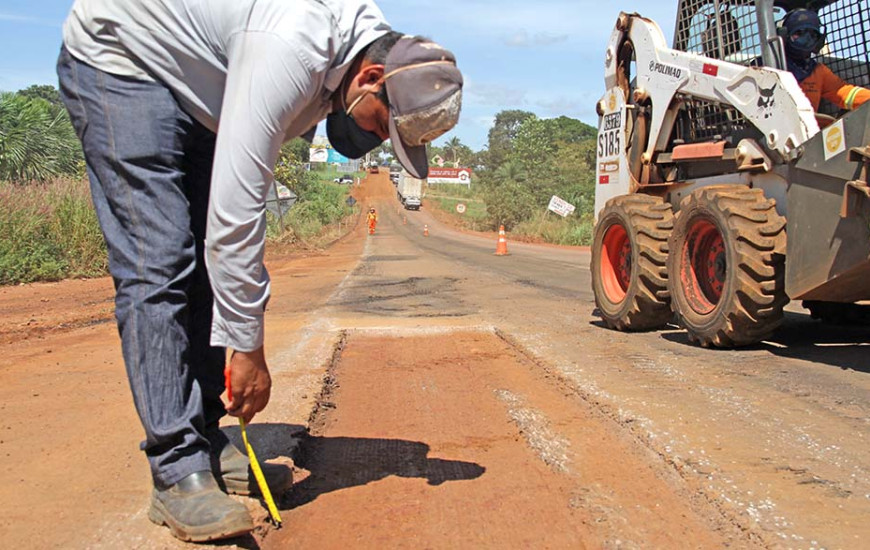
<point>458,440</point>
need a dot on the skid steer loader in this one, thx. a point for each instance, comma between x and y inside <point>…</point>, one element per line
<point>720,193</point>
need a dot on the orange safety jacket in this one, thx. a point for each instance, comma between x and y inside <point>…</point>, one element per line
<point>823,83</point>
<point>373,219</point>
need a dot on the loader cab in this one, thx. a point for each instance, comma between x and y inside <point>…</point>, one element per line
<point>746,32</point>
<point>736,31</point>
<point>846,51</point>
<point>732,31</point>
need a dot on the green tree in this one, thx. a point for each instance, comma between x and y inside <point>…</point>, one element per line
<point>295,151</point>
<point>433,151</point>
<point>37,141</point>
<point>508,196</point>
<point>535,142</point>
<point>451,149</point>
<point>546,157</point>
<point>43,91</point>
<point>290,172</point>
<point>571,130</point>
<point>575,181</point>
<point>501,135</point>
<point>384,151</point>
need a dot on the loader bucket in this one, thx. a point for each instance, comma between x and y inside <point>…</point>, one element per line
<point>828,253</point>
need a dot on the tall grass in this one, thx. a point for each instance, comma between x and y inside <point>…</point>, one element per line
<point>573,230</point>
<point>474,217</point>
<point>445,197</point>
<point>455,191</point>
<point>49,231</point>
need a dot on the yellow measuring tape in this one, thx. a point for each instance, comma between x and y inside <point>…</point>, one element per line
<point>261,480</point>
<point>255,464</point>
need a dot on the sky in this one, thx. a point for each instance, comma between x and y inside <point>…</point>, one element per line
<point>543,56</point>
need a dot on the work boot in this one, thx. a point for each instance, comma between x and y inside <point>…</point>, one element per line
<point>237,478</point>
<point>195,509</point>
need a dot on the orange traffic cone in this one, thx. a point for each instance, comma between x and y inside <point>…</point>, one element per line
<point>425,230</point>
<point>501,247</point>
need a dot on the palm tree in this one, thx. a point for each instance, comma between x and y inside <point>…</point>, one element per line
<point>453,145</point>
<point>37,141</point>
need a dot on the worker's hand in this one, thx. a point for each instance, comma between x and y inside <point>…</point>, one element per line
<point>250,383</point>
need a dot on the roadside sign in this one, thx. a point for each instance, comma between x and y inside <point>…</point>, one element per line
<point>350,201</point>
<point>460,208</point>
<point>563,208</point>
<point>457,176</point>
<point>279,199</point>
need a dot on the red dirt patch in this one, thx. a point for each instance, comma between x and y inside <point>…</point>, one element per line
<point>455,440</point>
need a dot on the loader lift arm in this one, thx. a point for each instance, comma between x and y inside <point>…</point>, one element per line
<point>766,97</point>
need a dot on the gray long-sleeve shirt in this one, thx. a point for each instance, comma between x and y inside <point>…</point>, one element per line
<point>257,72</point>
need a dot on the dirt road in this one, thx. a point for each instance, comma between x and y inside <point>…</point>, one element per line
<point>432,394</point>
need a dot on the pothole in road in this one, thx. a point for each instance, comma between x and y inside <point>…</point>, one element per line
<point>457,440</point>
<point>408,297</point>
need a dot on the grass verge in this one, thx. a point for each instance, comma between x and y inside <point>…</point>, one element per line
<point>447,197</point>
<point>573,230</point>
<point>49,231</point>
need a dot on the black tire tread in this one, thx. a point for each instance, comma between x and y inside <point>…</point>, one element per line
<point>757,234</point>
<point>649,220</point>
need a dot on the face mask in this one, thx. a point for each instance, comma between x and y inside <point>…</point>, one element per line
<point>804,43</point>
<point>347,137</point>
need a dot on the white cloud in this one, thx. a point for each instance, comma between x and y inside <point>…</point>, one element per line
<point>522,39</point>
<point>570,105</point>
<point>590,21</point>
<point>484,121</point>
<point>487,17</point>
<point>495,94</point>
<point>27,19</point>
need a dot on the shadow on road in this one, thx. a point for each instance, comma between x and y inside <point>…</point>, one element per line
<point>337,463</point>
<point>598,322</point>
<point>269,440</point>
<point>843,346</point>
<point>799,337</point>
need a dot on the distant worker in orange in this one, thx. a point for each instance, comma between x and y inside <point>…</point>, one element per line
<point>803,35</point>
<point>373,221</point>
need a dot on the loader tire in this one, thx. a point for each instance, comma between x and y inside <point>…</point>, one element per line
<point>629,251</point>
<point>727,266</point>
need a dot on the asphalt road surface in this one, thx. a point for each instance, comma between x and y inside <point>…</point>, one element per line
<point>432,394</point>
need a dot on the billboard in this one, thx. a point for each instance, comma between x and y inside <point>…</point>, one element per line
<point>456,176</point>
<point>318,154</point>
<point>326,154</point>
<point>335,156</point>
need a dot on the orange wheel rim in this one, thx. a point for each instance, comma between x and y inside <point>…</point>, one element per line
<point>615,267</point>
<point>704,266</point>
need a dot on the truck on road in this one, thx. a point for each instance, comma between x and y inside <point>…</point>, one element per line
<point>410,191</point>
<point>395,173</point>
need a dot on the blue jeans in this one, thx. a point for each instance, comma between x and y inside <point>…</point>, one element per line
<point>149,165</point>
